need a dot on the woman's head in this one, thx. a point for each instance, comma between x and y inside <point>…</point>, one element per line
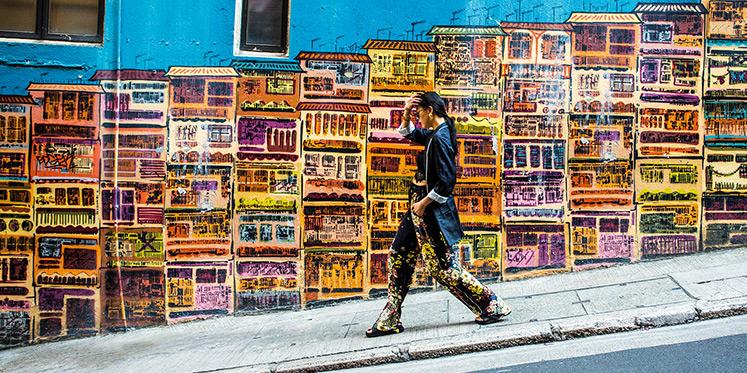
<point>430,109</point>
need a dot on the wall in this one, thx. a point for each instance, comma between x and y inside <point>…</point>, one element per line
<point>159,178</point>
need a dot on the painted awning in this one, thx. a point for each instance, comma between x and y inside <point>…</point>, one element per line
<point>179,71</point>
<point>332,56</point>
<point>467,30</point>
<point>413,46</point>
<point>350,108</point>
<point>264,65</point>
<point>537,26</point>
<point>16,99</point>
<point>579,17</point>
<point>91,88</point>
<point>689,8</point>
<point>129,74</point>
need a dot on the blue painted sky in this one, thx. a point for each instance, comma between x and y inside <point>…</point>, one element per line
<point>159,34</point>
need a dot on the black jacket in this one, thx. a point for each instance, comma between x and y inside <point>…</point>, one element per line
<point>440,176</point>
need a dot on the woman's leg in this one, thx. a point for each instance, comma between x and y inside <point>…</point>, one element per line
<point>443,264</point>
<point>403,255</point>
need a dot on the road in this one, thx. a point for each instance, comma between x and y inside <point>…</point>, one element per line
<point>708,346</point>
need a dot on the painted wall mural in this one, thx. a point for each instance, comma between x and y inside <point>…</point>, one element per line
<point>145,197</point>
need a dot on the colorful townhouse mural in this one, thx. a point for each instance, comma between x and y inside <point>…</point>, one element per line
<point>669,131</point>
<point>468,77</point>
<point>17,298</point>
<point>199,192</point>
<point>536,106</point>
<point>724,205</point>
<point>334,109</point>
<point>398,69</point>
<point>600,157</point>
<point>133,197</point>
<point>267,186</point>
<point>134,136</point>
<point>65,168</point>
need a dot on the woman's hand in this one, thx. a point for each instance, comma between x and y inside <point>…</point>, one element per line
<point>412,101</point>
<point>418,208</point>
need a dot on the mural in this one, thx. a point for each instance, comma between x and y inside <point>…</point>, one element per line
<point>144,197</point>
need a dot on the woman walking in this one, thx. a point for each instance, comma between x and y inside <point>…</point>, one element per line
<point>432,226</point>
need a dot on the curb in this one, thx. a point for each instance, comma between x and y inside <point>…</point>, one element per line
<point>497,337</point>
<point>712,309</point>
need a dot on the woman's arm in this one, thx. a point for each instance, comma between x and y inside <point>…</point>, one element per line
<point>445,167</point>
<point>407,129</point>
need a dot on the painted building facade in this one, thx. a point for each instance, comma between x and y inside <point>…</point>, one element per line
<point>468,78</point>
<point>334,110</point>
<point>134,134</point>
<point>600,158</point>
<point>17,298</point>
<point>224,181</point>
<point>725,104</point>
<point>65,169</point>
<point>267,186</point>
<point>536,106</point>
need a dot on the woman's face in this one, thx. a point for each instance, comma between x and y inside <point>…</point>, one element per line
<point>425,116</point>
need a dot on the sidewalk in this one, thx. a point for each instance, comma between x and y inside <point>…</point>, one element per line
<point>648,294</point>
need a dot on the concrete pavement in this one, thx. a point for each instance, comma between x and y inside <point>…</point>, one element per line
<point>644,295</point>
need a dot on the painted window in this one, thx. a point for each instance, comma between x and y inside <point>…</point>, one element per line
<point>657,33</point>
<point>622,83</point>
<point>621,41</point>
<point>484,48</point>
<point>285,233</point>
<point>398,65</point>
<point>145,97</point>
<point>63,20</point>
<point>85,106</point>
<point>649,71</point>
<point>16,132</point>
<point>553,47</point>
<point>280,86</point>
<point>520,46</point>
<point>118,205</point>
<point>68,105</point>
<point>189,91</point>
<point>219,134</point>
<point>417,65</point>
<point>591,38</point>
<point>52,105</point>
<point>264,26</point>
<point>688,24</point>
<point>220,89</point>
<point>722,11</point>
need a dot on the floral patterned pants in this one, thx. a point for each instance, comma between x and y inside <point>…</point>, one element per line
<point>441,261</point>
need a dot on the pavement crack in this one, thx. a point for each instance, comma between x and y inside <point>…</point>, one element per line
<point>404,352</point>
<point>581,302</point>
<point>684,290</point>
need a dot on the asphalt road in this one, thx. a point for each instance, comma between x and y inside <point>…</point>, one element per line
<point>725,354</point>
<point>707,346</point>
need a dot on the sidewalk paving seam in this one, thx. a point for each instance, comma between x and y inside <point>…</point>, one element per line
<point>660,277</point>
<point>718,279</point>
<point>581,302</point>
<point>684,290</point>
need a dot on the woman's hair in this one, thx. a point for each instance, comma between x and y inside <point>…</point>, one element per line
<point>434,101</point>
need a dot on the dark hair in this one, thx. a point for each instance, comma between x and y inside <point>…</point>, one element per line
<point>435,102</point>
